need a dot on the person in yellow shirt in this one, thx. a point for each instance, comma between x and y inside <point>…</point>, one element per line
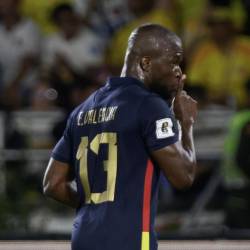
<point>194,12</point>
<point>221,63</point>
<point>40,10</point>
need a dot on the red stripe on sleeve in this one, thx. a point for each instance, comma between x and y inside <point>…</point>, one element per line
<point>147,197</point>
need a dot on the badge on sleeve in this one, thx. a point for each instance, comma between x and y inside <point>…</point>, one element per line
<point>164,128</point>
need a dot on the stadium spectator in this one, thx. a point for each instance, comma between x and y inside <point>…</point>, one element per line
<point>191,15</point>
<point>75,48</point>
<point>71,53</point>
<point>118,141</point>
<point>221,63</point>
<point>104,17</point>
<point>19,49</point>
<point>143,11</point>
<point>237,10</point>
<point>39,10</point>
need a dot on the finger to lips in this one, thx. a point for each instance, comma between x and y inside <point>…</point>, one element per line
<point>181,84</point>
<point>183,77</point>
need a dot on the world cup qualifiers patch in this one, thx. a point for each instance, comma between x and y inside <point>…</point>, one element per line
<point>164,128</point>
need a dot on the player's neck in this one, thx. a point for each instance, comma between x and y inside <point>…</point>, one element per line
<point>131,72</point>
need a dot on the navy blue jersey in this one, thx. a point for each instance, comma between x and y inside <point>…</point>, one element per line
<point>107,141</point>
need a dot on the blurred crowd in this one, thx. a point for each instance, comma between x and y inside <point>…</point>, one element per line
<point>53,54</point>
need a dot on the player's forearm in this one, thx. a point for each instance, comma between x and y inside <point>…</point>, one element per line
<point>189,149</point>
<point>188,141</point>
<point>64,193</point>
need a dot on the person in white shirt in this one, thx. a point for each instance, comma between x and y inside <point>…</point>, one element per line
<point>19,50</point>
<point>74,47</point>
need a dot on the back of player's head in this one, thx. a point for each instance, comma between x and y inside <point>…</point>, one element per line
<point>150,40</point>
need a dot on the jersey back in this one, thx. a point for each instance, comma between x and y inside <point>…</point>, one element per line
<point>107,141</point>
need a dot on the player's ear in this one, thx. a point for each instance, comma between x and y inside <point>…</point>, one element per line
<point>145,63</point>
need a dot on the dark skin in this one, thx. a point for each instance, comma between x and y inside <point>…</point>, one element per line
<point>156,63</point>
<point>57,183</point>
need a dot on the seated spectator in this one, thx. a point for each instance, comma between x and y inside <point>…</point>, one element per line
<point>144,11</point>
<point>104,17</point>
<point>221,63</point>
<point>38,10</point>
<point>74,49</point>
<point>237,10</point>
<point>19,50</point>
<point>72,54</point>
<point>191,16</point>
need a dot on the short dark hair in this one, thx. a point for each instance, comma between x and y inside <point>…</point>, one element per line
<point>55,13</point>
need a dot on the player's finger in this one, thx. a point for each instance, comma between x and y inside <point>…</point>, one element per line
<point>181,84</point>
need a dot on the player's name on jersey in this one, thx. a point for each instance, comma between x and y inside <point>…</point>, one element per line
<point>95,116</point>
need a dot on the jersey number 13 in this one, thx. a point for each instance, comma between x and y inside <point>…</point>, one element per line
<point>110,166</point>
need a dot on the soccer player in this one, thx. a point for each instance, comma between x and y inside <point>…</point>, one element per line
<point>118,141</point>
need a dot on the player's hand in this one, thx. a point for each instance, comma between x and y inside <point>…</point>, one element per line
<point>185,107</point>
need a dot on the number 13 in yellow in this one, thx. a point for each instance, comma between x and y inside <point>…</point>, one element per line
<point>110,166</point>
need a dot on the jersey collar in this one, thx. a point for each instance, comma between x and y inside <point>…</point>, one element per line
<point>115,81</point>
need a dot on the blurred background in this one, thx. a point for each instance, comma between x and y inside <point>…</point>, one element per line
<point>55,53</point>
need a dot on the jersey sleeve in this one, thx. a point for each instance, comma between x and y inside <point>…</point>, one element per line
<point>158,125</point>
<point>63,149</point>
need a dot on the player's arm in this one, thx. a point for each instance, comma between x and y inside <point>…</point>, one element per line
<point>178,161</point>
<point>57,183</point>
